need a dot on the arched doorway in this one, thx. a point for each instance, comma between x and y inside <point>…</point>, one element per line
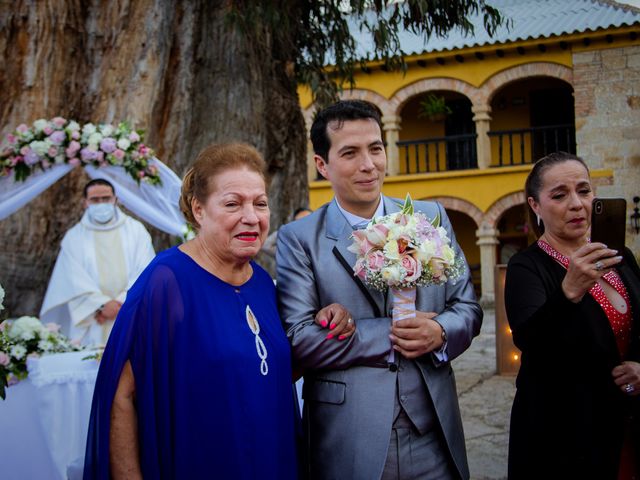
<point>514,233</point>
<point>531,118</point>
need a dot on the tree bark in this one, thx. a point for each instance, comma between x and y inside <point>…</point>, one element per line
<point>176,69</point>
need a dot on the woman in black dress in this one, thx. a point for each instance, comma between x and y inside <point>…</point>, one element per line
<point>574,310</point>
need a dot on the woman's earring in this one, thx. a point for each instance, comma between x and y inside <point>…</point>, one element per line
<point>538,219</point>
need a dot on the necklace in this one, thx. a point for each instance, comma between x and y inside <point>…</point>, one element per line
<point>254,326</point>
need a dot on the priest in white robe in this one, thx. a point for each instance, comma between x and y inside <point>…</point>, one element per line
<point>100,258</point>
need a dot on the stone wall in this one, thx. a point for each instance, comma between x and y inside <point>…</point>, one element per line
<point>607,104</point>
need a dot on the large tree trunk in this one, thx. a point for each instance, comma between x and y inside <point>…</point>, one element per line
<point>176,69</point>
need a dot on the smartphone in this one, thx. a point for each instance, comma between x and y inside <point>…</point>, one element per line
<point>609,221</point>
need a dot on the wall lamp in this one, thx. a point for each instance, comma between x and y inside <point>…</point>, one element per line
<point>635,216</point>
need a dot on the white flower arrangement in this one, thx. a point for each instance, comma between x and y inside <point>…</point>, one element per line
<point>25,337</point>
<point>57,141</point>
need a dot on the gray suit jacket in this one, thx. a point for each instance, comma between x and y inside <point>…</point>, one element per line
<point>349,389</point>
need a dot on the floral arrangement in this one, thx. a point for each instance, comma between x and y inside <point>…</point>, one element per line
<point>56,141</point>
<point>404,250</point>
<point>25,337</point>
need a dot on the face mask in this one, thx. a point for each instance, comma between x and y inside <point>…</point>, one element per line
<point>102,212</point>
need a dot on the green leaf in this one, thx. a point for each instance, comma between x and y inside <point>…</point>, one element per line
<point>407,208</point>
<point>436,220</point>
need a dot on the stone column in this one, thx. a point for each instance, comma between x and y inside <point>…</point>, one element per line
<point>482,118</point>
<point>487,241</point>
<point>391,130</point>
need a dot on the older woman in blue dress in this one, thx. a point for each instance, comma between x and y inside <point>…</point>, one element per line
<point>195,381</point>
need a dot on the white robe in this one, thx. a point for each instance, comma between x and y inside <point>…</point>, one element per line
<point>96,264</point>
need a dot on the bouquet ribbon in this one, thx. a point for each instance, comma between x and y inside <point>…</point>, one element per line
<point>404,306</point>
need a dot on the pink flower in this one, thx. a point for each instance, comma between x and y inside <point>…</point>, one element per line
<point>75,135</point>
<point>375,260</point>
<point>4,359</point>
<point>12,139</point>
<point>119,154</point>
<point>75,161</point>
<point>58,137</point>
<point>412,267</point>
<point>143,150</point>
<point>437,268</point>
<point>359,269</point>
<point>3,326</point>
<point>52,327</point>
<point>58,122</point>
<point>108,145</point>
<point>53,151</point>
<point>134,137</point>
<point>22,128</point>
<point>45,163</point>
<point>141,174</point>
<point>48,130</point>
<point>361,245</point>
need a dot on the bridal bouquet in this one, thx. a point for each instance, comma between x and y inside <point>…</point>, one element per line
<point>401,251</point>
<point>25,337</point>
<point>49,142</point>
<point>404,250</point>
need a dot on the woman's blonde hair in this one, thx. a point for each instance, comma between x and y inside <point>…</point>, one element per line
<point>211,162</point>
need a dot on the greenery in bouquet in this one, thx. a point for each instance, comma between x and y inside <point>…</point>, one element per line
<point>49,142</point>
<point>405,250</point>
<point>23,338</point>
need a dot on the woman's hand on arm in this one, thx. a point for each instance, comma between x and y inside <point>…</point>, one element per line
<point>586,266</point>
<point>338,320</point>
<point>124,455</point>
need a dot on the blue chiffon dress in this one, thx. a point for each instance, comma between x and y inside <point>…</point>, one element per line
<point>213,386</point>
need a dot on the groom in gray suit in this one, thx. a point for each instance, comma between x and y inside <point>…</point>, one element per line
<point>366,417</point>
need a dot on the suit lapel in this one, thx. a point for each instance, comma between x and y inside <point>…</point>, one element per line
<point>339,230</point>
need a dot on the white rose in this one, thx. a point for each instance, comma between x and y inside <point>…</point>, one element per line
<point>425,251</point>
<point>73,126</point>
<point>45,345</point>
<point>392,274</point>
<point>40,124</point>
<point>88,129</point>
<point>106,130</point>
<point>40,148</point>
<point>18,351</point>
<point>94,139</point>
<point>124,143</point>
<point>23,325</point>
<point>443,235</point>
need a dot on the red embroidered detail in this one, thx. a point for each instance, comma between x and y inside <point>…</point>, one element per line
<point>620,322</point>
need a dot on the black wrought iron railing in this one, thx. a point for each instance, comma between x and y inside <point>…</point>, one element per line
<point>526,145</point>
<point>438,154</point>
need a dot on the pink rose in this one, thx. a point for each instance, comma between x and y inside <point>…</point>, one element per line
<point>375,260</point>
<point>22,128</point>
<point>52,327</point>
<point>119,154</point>
<point>53,151</point>
<point>359,269</point>
<point>75,161</point>
<point>47,130</point>
<point>412,267</point>
<point>4,359</point>
<point>141,174</point>
<point>59,122</point>
<point>12,139</point>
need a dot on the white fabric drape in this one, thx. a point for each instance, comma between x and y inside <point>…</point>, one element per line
<point>155,204</point>
<point>15,195</point>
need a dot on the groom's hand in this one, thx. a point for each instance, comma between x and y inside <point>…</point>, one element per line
<point>338,320</point>
<point>414,337</point>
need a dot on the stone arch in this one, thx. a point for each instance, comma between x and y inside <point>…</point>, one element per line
<point>378,100</point>
<point>495,211</point>
<point>429,84</point>
<point>521,72</point>
<point>460,205</point>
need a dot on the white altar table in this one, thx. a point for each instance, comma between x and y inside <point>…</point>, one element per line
<point>44,419</point>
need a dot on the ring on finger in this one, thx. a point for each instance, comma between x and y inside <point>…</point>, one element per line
<point>349,320</point>
<point>598,265</point>
<point>628,388</point>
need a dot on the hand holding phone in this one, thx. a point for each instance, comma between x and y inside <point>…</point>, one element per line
<point>608,222</point>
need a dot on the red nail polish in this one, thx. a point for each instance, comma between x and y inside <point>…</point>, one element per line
<point>330,335</point>
<point>341,337</point>
<point>323,323</point>
<point>332,326</point>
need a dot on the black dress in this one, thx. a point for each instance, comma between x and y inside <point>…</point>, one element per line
<point>568,416</point>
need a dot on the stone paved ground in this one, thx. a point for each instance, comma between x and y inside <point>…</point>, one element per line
<point>485,402</point>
